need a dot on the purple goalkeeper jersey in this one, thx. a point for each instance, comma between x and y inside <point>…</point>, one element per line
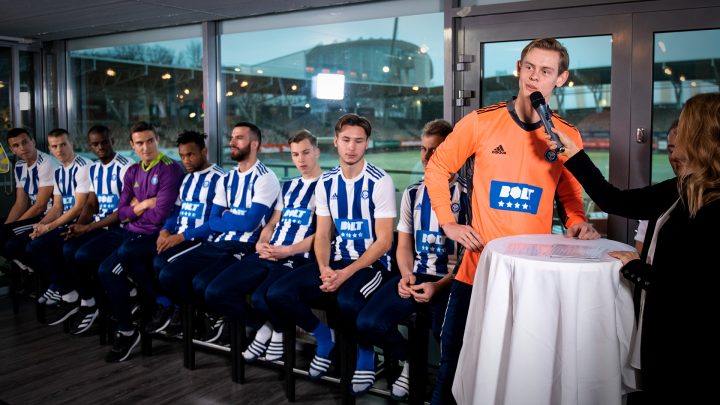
<point>161,179</point>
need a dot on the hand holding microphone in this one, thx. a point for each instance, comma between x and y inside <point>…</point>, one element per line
<point>564,144</point>
<point>538,102</point>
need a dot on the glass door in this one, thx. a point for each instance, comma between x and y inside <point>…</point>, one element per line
<point>675,57</point>
<point>678,51</point>
<point>595,98</point>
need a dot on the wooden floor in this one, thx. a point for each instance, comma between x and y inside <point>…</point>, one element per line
<point>42,365</point>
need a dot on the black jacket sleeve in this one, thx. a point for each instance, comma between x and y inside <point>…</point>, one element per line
<point>638,272</point>
<point>639,203</point>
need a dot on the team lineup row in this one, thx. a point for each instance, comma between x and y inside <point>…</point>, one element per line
<point>213,238</point>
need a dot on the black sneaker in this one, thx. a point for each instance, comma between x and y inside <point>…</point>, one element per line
<point>214,326</point>
<point>63,311</point>
<point>160,319</point>
<point>224,339</point>
<point>84,319</point>
<point>174,328</point>
<point>122,347</point>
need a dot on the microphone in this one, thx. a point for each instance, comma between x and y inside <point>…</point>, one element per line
<point>538,102</point>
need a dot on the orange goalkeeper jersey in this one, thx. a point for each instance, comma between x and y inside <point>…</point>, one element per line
<point>513,184</point>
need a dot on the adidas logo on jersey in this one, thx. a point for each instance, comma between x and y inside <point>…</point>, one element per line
<point>499,150</point>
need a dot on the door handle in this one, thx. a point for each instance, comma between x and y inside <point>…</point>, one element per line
<point>640,135</point>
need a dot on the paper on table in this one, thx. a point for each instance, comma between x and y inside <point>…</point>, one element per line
<point>578,252</point>
<point>556,251</point>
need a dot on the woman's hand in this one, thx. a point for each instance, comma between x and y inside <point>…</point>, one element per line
<point>570,148</point>
<point>625,256</point>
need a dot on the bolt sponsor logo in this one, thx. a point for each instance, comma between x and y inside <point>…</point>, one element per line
<point>514,197</point>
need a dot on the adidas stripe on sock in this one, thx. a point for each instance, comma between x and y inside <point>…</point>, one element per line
<point>401,386</point>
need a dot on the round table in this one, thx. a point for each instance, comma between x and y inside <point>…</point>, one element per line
<point>550,322</point>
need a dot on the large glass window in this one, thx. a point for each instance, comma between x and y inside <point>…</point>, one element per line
<point>5,88</point>
<point>683,67</point>
<point>389,70</point>
<point>154,76</point>
<point>6,179</point>
<point>51,82</point>
<point>27,89</point>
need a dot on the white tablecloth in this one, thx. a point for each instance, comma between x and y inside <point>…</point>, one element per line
<point>544,329</point>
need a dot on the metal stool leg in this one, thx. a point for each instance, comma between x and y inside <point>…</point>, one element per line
<point>188,330</point>
<point>39,290</point>
<point>418,356</point>
<point>289,336</point>
<point>237,342</point>
<point>348,358</point>
<point>15,276</point>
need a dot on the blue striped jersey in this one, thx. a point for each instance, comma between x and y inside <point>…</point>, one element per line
<point>238,191</point>
<point>39,174</point>
<point>435,254</point>
<point>354,205</point>
<point>297,221</point>
<point>106,181</point>
<point>196,196</point>
<point>72,179</point>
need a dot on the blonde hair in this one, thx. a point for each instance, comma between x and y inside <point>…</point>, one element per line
<point>549,44</point>
<point>699,141</point>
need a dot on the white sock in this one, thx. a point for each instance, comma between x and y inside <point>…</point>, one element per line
<point>71,297</point>
<point>275,348</point>
<point>401,386</point>
<point>87,303</point>
<point>263,334</point>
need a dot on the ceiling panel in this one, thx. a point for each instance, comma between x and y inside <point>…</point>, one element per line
<point>47,20</point>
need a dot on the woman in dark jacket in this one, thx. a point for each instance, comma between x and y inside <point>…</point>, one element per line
<point>681,273</point>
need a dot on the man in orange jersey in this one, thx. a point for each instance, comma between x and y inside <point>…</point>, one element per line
<point>513,186</point>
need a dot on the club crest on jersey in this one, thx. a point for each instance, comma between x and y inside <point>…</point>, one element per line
<point>114,177</point>
<point>154,180</point>
<point>365,194</point>
<point>192,209</point>
<point>455,207</point>
<point>296,216</point>
<point>514,197</point>
<point>206,184</point>
<point>352,229</point>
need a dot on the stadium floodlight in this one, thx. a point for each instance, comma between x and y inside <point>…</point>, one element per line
<point>328,86</point>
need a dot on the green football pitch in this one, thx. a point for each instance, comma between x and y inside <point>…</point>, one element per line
<point>405,167</point>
